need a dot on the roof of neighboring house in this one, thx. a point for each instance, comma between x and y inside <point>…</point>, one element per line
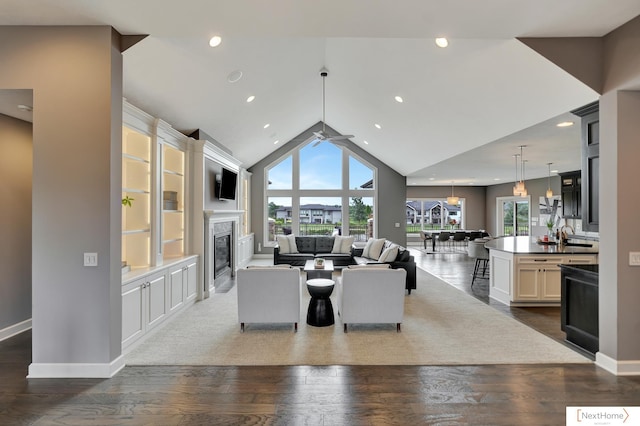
<point>416,205</point>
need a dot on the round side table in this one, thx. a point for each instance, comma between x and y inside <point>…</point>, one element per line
<point>320,312</point>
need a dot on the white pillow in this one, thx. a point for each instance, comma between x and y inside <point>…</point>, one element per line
<point>287,243</point>
<point>373,248</point>
<point>389,254</point>
<point>342,244</point>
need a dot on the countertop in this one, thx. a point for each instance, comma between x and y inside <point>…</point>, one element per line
<point>529,245</point>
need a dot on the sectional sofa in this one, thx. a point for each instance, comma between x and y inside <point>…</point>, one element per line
<point>296,250</point>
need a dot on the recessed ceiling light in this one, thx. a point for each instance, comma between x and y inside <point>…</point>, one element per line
<point>442,42</point>
<point>365,142</point>
<point>554,171</point>
<point>234,76</point>
<point>276,142</point>
<point>565,124</point>
<point>378,126</point>
<point>251,98</point>
<point>266,126</point>
<point>496,178</point>
<point>215,41</point>
<point>399,99</point>
<point>431,178</point>
<point>25,108</point>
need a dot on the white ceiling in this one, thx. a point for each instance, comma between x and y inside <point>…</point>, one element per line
<point>464,110</point>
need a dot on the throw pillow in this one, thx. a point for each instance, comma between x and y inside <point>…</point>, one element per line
<point>389,254</point>
<point>283,244</point>
<point>293,247</point>
<point>370,266</point>
<point>287,243</point>
<point>342,244</point>
<point>373,248</point>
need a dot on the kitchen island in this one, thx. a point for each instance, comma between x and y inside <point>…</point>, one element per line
<point>524,272</point>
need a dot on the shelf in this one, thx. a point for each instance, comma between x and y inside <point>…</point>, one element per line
<point>134,158</point>
<point>171,172</point>
<point>135,231</point>
<point>135,191</point>
<point>172,211</point>
<point>172,240</point>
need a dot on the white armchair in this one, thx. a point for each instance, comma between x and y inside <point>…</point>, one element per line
<point>371,295</point>
<point>268,295</point>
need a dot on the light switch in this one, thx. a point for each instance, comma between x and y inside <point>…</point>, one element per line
<point>634,258</point>
<point>397,225</point>
<point>91,259</point>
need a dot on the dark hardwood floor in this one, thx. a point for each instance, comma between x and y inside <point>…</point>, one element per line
<point>311,395</point>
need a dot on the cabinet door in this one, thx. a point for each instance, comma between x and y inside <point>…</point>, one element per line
<point>156,293</point>
<point>191,275</point>
<point>133,325</point>
<point>528,278</point>
<point>176,283</point>
<point>550,284</point>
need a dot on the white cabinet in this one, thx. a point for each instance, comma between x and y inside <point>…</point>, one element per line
<point>143,306</point>
<point>530,279</point>
<point>245,250</point>
<point>151,297</point>
<point>538,279</point>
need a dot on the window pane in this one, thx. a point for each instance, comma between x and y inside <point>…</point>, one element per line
<point>321,166</point>
<point>279,220</point>
<point>360,176</point>
<point>320,216</point>
<point>361,218</point>
<point>280,175</point>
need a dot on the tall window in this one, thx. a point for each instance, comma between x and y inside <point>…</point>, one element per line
<point>320,190</point>
<point>433,214</point>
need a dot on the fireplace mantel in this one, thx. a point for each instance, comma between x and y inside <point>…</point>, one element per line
<point>222,215</point>
<point>212,217</point>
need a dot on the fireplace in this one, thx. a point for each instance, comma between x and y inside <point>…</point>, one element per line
<point>221,233</point>
<point>222,254</point>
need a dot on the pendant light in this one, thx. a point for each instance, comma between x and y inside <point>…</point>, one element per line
<point>519,188</point>
<point>453,200</point>
<point>549,191</point>
<point>516,191</point>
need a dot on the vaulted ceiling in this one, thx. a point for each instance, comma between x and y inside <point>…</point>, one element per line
<point>466,108</point>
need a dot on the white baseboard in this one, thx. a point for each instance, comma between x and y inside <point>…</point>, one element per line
<point>619,368</point>
<point>76,370</point>
<point>14,329</point>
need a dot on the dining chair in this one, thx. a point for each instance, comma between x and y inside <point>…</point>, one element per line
<point>444,237</point>
<point>459,237</point>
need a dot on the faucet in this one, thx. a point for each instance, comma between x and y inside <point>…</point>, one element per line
<point>563,235</point>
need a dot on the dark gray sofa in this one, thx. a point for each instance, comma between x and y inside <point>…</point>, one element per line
<point>310,247</point>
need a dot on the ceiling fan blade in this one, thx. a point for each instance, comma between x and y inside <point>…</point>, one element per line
<point>340,137</point>
<point>316,143</point>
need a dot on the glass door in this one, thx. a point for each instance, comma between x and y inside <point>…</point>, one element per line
<point>514,216</point>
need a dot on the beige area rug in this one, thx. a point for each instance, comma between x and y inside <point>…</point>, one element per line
<point>442,326</point>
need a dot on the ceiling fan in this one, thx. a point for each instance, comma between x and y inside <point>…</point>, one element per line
<point>322,136</point>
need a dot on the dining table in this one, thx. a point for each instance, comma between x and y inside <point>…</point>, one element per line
<point>468,232</point>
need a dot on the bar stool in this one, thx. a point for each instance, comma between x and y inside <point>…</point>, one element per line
<point>478,251</point>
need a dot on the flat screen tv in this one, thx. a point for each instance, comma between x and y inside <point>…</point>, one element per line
<point>228,181</point>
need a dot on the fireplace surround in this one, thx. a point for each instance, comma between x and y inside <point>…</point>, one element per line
<point>221,245</point>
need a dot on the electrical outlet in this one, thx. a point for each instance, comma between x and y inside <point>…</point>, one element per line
<point>91,259</point>
<point>397,225</point>
<point>634,258</point>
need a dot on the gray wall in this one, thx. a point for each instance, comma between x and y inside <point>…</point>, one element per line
<point>390,202</point>
<point>16,164</point>
<point>535,187</point>
<point>76,77</point>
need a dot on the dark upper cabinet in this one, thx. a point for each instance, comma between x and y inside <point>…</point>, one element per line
<point>571,188</point>
<point>590,126</point>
